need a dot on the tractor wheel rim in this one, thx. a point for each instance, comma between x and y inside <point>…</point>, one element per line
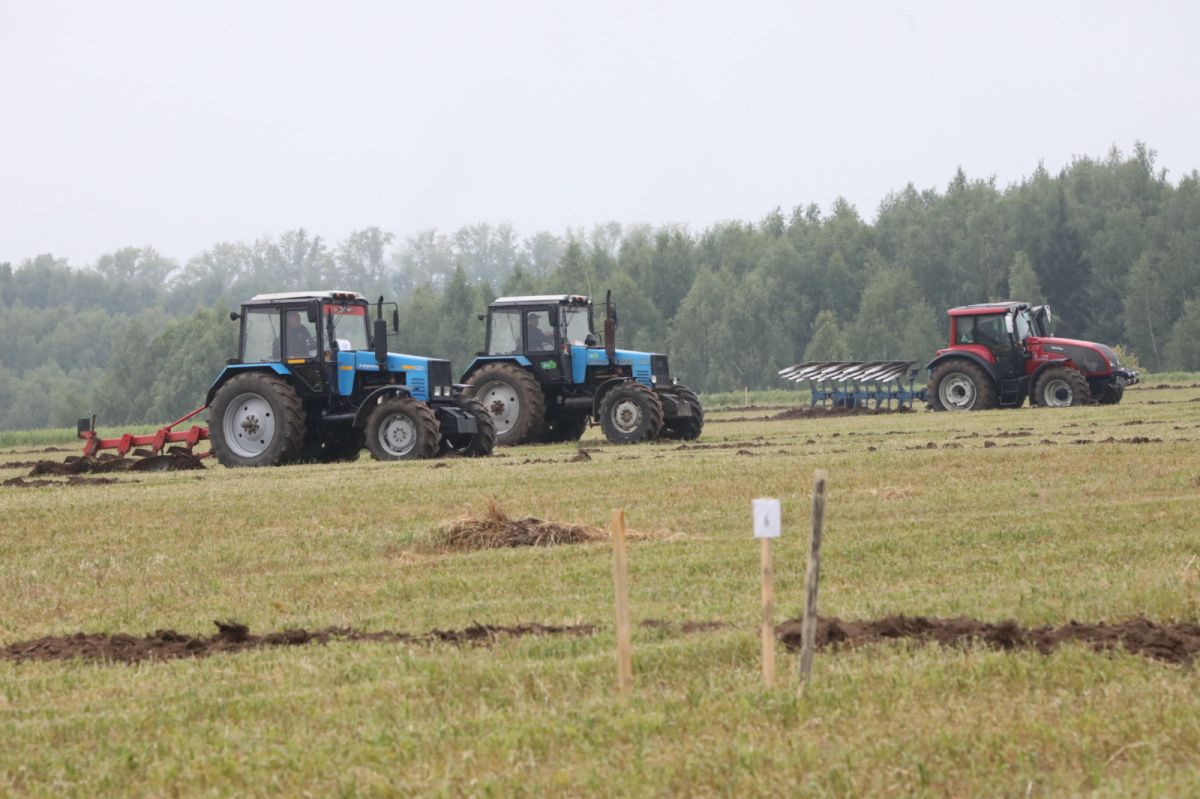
<point>627,416</point>
<point>502,402</point>
<point>398,435</point>
<point>1057,393</point>
<point>957,392</point>
<point>249,425</point>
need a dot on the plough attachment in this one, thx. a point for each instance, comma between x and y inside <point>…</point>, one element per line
<point>859,384</point>
<point>148,447</point>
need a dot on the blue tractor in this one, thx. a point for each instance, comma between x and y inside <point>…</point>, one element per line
<point>314,381</point>
<point>544,378</point>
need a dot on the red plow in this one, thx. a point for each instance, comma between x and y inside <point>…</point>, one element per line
<point>148,448</point>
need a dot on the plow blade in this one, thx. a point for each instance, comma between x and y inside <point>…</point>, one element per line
<point>150,448</point>
<point>859,384</point>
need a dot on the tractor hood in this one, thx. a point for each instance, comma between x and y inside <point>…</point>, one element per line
<point>647,367</point>
<point>1091,358</point>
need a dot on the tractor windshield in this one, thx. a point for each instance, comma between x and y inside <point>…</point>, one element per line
<point>577,324</point>
<point>349,325</point>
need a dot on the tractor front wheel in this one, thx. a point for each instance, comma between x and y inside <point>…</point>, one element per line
<point>402,428</point>
<point>256,419</point>
<point>1111,395</point>
<point>472,445</point>
<point>960,385</point>
<point>687,428</point>
<point>513,398</point>
<point>1061,387</point>
<point>631,413</point>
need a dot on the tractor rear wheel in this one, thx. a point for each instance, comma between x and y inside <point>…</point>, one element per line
<point>631,413</point>
<point>1111,395</point>
<point>402,428</point>
<point>256,420</point>
<point>960,385</point>
<point>471,445</point>
<point>1061,387</point>
<point>563,428</point>
<point>513,398</point>
<point>687,428</point>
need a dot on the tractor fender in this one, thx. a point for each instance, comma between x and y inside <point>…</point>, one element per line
<point>1044,366</point>
<point>233,370</point>
<point>990,368</point>
<point>485,360</point>
<point>605,387</point>
<point>373,399</point>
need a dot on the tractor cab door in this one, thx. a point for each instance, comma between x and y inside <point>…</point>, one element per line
<point>995,333</point>
<point>541,342</point>
<point>302,347</point>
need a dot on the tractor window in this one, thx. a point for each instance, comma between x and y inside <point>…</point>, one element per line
<point>577,325</point>
<point>1023,326</point>
<point>349,324</point>
<point>260,343</point>
<point>539,333</point>
<point>504,332</point>
<point>300,335</point>
<point>990,331</point>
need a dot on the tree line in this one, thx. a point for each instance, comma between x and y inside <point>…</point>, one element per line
<point>1110,243</point>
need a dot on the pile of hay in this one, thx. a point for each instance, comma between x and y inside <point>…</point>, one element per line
<point>495,530</point>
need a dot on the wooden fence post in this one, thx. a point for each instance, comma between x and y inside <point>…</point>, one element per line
<point>809,628</point>
<point>621,585</point>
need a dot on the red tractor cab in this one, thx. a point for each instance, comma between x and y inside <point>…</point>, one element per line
<point>1002,352</point>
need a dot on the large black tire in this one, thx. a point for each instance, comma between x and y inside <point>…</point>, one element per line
<point>513,398</point>
<point>471,445</point>
<point>1111,395</point>
<point>687,428</point>
<point>960,385</point>
<point>631,413</point>
<point>402,428</point>
<point>344,444</point>
<point>256,419</point>
<point>563,428</point>
<point>1060,387</point>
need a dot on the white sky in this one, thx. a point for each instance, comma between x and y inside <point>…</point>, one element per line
<point>180,124</point>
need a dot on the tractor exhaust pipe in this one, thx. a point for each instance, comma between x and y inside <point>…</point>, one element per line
<point>379,340</point>
<point>610,328</point>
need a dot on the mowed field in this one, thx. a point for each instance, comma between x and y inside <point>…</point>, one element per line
<point>1039,516</point>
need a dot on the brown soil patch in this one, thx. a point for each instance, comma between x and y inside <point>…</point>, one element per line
<point>176,459</point>
<point>1172,642</point>
<point>496,530</point>
<point>73,480</point>
<point>234,637</point>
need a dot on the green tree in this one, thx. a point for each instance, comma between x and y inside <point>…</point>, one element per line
<point>1182,350</point>
<point>1023,284</point>
<point>828,342</point>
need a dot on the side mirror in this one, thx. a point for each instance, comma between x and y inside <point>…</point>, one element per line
<point>314,313</point>
<point>395,320</point>
<point>1008,324</point>
<point>553,313</point>
<point>234,316</point>
<point>480,316</point>
<point>590,340</point>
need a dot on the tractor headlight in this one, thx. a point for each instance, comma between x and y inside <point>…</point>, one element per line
<point>653,380</point>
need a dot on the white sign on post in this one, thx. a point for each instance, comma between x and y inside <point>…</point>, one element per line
<point>766,518</point>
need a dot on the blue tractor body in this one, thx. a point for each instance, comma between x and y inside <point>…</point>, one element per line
<point>313,381</point>
<point>544,377</point>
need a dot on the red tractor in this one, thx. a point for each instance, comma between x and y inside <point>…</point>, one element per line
<point>1002,352</point>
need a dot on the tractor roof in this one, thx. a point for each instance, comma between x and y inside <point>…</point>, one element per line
<point>543,299</point>
<point>986,308</point>
<point>292,296</point>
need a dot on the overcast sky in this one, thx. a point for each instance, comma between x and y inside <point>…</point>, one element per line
<point>182,124</point>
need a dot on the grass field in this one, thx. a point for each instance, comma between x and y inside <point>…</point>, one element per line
<point>1042,516</point>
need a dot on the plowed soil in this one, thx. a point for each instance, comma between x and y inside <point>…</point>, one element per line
<point>234,637</point>
<point>175,460</point>
<point>1172,642</point>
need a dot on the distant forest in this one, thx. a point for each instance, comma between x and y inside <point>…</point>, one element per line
<point>1111,244</point>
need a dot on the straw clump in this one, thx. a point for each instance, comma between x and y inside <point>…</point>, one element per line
<point>496,530</point>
